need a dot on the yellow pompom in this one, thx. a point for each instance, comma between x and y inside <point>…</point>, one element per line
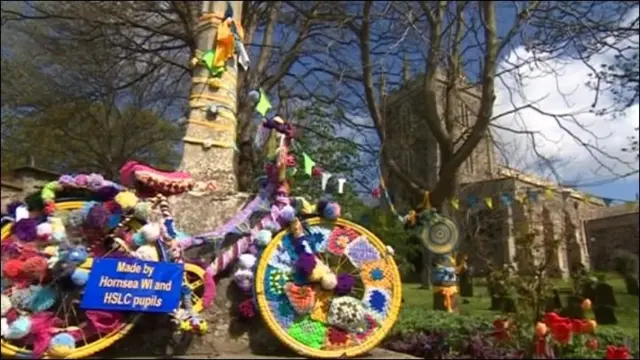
<point>194,61</point>
<point>127,200</point>
<point>214,83</point>
<point>51,250</point>
<point>319,271</point>
<point>60,351</point>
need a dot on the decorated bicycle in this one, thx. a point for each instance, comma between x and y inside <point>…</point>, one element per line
<point>86,257</point>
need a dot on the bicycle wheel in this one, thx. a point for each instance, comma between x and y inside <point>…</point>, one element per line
<point>343,304</point>
<point>79,333</point>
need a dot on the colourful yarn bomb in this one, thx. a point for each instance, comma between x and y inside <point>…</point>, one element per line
<point>5,305</point>
<point>79,277</point>
<point>44,231</point>
<point>347,313</point>
<point>19,328</point>
<point>61,345</point>
<point>151,232</point>
<point>263,237</point>
<point>286,214</point>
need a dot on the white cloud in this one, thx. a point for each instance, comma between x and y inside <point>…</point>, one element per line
<point>557,86</point>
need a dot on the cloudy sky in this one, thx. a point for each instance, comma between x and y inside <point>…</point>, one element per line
<point>558,87</point>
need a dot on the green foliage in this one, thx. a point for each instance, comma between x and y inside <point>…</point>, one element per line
<point>68,107</point>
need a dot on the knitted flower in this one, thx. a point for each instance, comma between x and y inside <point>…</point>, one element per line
<point>66,180</point>
<point>26,229</point>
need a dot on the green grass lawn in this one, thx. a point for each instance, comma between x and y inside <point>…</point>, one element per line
<point>626,311</point>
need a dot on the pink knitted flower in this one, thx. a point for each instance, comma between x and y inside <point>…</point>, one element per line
<point>339,239</point>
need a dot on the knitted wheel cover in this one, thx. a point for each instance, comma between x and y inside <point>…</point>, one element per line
<point>440,235</point>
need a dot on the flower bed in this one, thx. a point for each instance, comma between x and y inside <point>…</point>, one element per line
<point>429,334</point>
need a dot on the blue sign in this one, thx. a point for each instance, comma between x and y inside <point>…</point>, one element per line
<point>133,285</point>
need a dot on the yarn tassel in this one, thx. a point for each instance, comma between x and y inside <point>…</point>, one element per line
<point>209,286</point>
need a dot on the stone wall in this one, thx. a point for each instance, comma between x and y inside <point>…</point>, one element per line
<point>24,181</point>
<point>410,142</point>
<point>607,234</point>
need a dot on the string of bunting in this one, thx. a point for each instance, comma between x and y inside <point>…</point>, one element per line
<point>530,195</point>
<point>262,107</point>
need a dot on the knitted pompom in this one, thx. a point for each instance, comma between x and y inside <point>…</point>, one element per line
<point>305,264</point>
<point>4,327</point>
<point>79,277</point>
<point>286,214</point>
<point>151,232</point>
<point>97,217</point>
<point>247,261</point>
<point>35,267</point>
<point>127,200</point>
<point>263,237</point>
<point>107,192</point>
<point>75,219</point>
<point>6,305</point>
<point>19,328</point>
<point>345,283</point>
<point>142,210</point>
<point>138,239</point>
<point>329,281</point>
<point>25,229</point>
<point>95,181</point>
<point>147,253</point>
<point>44,231</point>
<point>244,279</point>
<point>61,345</point>
<point>331,211</point>
<point>11,269</point>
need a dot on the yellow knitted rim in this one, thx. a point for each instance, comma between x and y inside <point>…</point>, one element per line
<point>104,342</point>
<point>359,349</point>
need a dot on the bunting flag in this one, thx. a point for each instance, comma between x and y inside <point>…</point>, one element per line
<point>263,105</point>
<point>308,164</point>
<point>489,202</point>
<point>341,182</point>
<point>455,204</point>
<point>548,193</point>
<point>607,201</point>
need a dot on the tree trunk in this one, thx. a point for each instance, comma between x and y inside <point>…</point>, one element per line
<point>198,214</point>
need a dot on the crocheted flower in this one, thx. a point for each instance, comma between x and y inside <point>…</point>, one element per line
<point>347,313</point>
<point>376,274</point>
<point>66,180</point>
<point>308,332</point>
<point>97,217</point>
<point>95,181</point>
<point>339,239</point>
<point>81,180</point>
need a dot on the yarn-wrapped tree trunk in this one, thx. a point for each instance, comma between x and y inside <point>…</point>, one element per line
<point>209,156</point>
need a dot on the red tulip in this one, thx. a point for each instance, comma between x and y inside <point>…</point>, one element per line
<point>592,344</point>
<point>561,332</point>
<point>620,352</point>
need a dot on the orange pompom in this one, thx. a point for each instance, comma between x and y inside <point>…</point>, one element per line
<point>35,267</point>
<point>11,269</point>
